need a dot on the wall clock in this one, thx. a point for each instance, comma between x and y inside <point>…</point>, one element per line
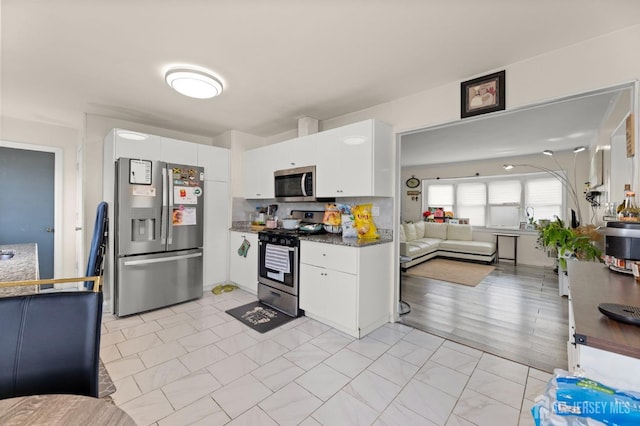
<point>412,182</point>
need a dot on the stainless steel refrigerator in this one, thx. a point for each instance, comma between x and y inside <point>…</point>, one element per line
<point>158,234</point>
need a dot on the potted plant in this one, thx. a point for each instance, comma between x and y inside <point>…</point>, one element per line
<point>569,243</point>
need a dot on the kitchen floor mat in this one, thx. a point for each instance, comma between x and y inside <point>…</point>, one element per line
<point>259,316</point>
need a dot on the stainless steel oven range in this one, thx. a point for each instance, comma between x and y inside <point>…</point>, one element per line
<point>278,270</point>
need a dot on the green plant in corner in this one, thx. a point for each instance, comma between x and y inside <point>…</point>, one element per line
<point>570,242</point>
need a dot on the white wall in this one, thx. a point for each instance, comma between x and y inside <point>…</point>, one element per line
<point>32,133</point>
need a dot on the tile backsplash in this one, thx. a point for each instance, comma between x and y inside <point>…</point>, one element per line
<point>242,208</point>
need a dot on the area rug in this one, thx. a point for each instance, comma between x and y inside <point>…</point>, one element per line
<point>105,384</point>
<point>259,316</point>
<point>453,271</point>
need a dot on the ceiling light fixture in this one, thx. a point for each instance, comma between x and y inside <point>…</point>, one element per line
<point>194,83</point>
<point>547,152</point>
<point>579,149</point>
<point>508,166</point>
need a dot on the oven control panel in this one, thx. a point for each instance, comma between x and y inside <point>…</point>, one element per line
<point>280,239</point>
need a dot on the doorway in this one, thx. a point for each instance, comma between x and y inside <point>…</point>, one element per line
<point>455,312</point>
<point>30,179</point>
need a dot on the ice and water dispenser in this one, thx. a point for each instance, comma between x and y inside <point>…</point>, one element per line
<point>143,229</point>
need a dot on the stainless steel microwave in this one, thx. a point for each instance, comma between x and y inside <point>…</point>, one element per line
<point>297,184</point>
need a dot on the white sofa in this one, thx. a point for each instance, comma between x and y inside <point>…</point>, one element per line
<point>421,241</point>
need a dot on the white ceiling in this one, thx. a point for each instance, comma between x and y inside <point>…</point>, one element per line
<point>279,59</point>
<point>559,126</point>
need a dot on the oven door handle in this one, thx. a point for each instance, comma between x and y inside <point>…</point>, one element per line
<point>279,245</point>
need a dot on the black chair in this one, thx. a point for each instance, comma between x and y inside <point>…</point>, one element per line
<point>50,343</point>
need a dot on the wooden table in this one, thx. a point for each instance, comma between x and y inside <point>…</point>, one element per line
<point>67,410</point>
<point>515,247</point>
<point>603,349</point>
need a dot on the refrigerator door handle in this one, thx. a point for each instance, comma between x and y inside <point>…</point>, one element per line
<point>161,260</point>
<point>164,213</point>
<point>170,210</point>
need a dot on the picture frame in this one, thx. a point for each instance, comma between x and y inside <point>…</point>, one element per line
<point>482,95</point>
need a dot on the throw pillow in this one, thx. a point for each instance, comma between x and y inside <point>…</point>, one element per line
<point>459,232</point>
<point>401,235</point>
<point>409,231</point>
<point>435,230</point>
<point>419,229</point>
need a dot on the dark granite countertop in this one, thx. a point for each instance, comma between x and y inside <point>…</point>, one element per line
<point>21,267</point>
<point>336,239</point>
<point>593,283</point>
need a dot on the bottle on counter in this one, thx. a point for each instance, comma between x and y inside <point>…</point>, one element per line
<point>627,187</point>
<point>629,211</point>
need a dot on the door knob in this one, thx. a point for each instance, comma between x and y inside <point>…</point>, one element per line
<point>48,229</point>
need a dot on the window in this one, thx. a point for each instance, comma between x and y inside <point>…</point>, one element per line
<point>497,202</point>
<point>504,203</point>
<point>544,196</point>
<point>440,196</point>
<point>471,199</point>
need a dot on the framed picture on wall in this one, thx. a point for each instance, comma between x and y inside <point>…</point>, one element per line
<point>482,95</point>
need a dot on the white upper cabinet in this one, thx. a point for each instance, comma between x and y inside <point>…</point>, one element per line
<point>179,152</point>
<point>351,161</point>
<point>295,153</point>
<point>355,161</point>
<point>215,161</point>
<point>259,165</point>
<point>117,146</point>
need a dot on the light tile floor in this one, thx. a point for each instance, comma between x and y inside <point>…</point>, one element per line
<point>194,364</point>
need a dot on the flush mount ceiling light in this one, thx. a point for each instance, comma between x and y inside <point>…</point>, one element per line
<point>508,166</point>
<point>193,83</point>
<point>579,149</point>
<point>547,152</point>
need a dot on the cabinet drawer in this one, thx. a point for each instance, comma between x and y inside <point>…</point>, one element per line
<point>340,258</point>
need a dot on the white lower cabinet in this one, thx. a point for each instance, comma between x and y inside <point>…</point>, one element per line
<point>348,288</point>
<point>322,284</point>
<point>243,271</point>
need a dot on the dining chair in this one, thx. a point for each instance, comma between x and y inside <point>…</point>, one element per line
<point>50,342</point>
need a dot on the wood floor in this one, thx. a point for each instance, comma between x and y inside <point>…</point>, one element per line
<point>514,313</point>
